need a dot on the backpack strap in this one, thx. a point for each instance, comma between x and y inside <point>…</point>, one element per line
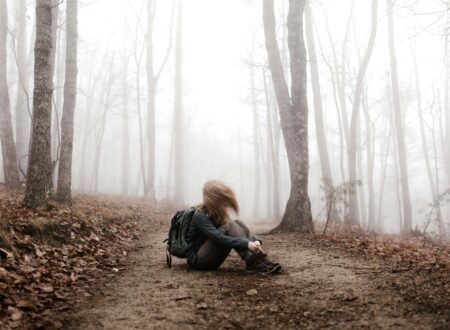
<point>168,257</point>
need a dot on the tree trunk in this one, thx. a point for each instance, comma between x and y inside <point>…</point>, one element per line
<point>55,20</point>
<point>149,188</point>
<point>384,156</point>
<point>353,213</point>
<point>293,111</point>
<point>178,113</point>
<point>271,163</point>
<point>23,107</point>
<point>447,116</point>
<point>401,149</point>
<point>318,112</point>
<point>125,131</point>
<point>58,104</point>
<point>63,194</point>
<point>40,161</point>
<point>256,144</point>
<point>11,171</point>
<point>370,133</point>
<point>102,121</point>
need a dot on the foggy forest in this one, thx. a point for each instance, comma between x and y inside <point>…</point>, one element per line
<point>328,122</point>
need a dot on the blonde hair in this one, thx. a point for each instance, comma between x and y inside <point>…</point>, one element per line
<point>218,199</point>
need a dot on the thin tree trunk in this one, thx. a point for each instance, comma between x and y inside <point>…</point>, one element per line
<point>63,194</point>
<point>353,214</point>
<point>271,187</point>
<point>149,187</point>
<point>327,178</point>
<point>401,148</point>
<point>10,169</point>
<point>55,20</point>
<point>40,161</point>
<point>361,187</point>
<point>384,155</point>
<point>293,111</point>
<point>125,131</point>
<point>178,113</point>
<point>23,108</point>
<point>370,133</point>
<point>102,122</point>
<point>447,116</point>
<point>87,125</point>
<point>276,158</point>
<point>256,142</point>
<point>58,104</point>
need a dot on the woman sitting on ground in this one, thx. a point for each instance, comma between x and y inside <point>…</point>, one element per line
<point>212,234</point>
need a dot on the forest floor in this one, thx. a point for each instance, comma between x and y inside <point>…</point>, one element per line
<point>104,278</point>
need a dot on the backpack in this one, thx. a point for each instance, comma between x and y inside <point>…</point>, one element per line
<point>176,240</point>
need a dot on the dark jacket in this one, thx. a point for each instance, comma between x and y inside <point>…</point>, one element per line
<point>201,229</point>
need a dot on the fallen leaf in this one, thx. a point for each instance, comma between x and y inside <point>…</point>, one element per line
<point>251,292</point>
<point>16,314</point>
<point>46,288</point>
<point>202,305</point>
<point>25,304</point>
<point>5,254</point>
<point>73,277</point>
<point>39,253</point>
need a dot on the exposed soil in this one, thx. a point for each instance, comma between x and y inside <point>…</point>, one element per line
<point>320,287</point>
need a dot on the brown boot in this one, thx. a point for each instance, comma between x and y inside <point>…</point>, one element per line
<point>256,264</point>
<point>267,261</point>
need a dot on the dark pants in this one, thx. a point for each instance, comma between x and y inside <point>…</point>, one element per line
<point>210,255</point>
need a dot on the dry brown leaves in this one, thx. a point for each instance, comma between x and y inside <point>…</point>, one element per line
<point>403,250</point>
<point>51,259</point>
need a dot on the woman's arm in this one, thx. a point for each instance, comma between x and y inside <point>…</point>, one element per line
<point>205,225</point>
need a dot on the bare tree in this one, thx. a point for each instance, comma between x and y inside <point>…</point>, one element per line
<point>353,215</point>
<point>152,83</point>
<point>63,193</point>
<point>318,112</point>
<point>125,128</point>
<point>401,148</point>
<point>370,142</point>
<point>11,171</point>
<point>39,161</point>
<point>256,134</point>
<point>293,108</point>
<point>23,111</point>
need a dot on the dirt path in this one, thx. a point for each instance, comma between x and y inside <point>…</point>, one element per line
<point>318,289</point>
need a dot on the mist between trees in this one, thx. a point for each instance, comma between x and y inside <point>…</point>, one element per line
<point>347,100</point>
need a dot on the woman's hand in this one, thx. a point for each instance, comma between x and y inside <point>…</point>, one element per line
<point>254,247</point>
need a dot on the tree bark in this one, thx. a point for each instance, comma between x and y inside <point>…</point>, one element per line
<point>63,194</point>
<point>10,169</point>
<point>401,149</point>
<point>293,112</point>
<point>178,113</point>
<point>353,213</point>
<point>39,161</point>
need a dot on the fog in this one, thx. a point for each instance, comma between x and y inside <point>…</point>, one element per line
<point>223,42</point>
